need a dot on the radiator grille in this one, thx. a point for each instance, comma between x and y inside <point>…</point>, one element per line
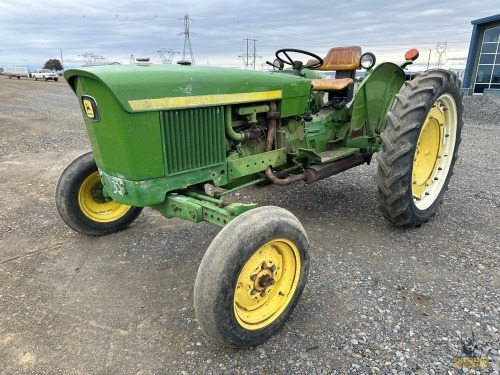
<point>194,138</point>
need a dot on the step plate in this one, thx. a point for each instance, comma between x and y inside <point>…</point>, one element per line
<point>338,153</point>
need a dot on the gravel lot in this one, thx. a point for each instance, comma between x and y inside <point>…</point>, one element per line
<point>379,300</point>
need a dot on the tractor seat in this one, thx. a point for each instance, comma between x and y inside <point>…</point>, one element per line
<point>331,84</point>
<point>340,59</point>
<point>343,61</point>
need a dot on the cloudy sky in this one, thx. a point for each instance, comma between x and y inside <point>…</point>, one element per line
<point>31,32</point>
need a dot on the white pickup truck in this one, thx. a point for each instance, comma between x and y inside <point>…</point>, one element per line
<point>44,74</point>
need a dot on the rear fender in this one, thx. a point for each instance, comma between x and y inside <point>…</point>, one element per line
<point>374,97</point>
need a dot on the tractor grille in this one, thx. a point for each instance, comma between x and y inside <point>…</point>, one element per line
<point>194,138</point>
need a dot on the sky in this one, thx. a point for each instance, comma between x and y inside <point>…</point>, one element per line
<point>32,32</point>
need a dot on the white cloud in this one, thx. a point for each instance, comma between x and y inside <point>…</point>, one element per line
<point>118,29</point>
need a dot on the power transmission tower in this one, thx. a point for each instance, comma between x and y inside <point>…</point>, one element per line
<point>90,58</point>
<point>132,59</point>
<point>250,57</point>
<point>440,50</point>
<point>187,42</point>
<point>166,55</point>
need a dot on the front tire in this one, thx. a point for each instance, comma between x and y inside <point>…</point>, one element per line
<point>419,148</point>
<point>251,277</point>
<point>82,205</point>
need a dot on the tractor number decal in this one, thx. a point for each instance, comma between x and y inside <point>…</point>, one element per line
<point>90,106</point>
<point>202,100</point>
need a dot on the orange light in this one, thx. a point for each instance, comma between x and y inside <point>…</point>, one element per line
<point>412,54</point>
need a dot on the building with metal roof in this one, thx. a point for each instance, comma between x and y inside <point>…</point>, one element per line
<point>483,62</point>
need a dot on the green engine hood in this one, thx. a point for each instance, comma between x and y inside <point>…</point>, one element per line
<point>142,88</point>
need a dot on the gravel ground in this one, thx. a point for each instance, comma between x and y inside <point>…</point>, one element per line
<point>379,300</point>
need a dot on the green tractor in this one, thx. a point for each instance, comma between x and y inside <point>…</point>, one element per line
<point>164,135</point>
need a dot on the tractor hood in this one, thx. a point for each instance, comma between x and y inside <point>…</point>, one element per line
<point>142,88</point>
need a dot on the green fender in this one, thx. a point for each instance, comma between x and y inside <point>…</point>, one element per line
<point>374,97</point>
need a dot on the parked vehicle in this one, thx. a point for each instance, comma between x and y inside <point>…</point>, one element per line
<point>45,74</point>
<point>17,72</point>
<point>160,133</point>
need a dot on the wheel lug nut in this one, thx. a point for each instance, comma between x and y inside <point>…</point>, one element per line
<point>263,293</point>
<point>253,292</point>
<point>264,265</point>
<point>273,268</point>
<point>253,277</point>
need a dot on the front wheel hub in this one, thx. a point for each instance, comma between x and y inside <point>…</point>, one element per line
<point>264,279</point>
<point>267,284</point>
<point>95,205</point>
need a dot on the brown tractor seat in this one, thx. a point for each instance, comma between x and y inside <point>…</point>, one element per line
<point>331,84</point>
<point>340,58</point>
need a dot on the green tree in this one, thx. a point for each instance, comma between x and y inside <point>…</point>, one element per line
<point>53,64</point>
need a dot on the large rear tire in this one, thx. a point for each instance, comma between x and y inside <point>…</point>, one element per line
<point>82,205</point>
<point>251,277</point>
<point>419,148</point>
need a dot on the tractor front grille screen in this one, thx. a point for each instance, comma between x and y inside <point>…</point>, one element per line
<point>194,138</point>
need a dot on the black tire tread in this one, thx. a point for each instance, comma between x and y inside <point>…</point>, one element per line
<point>395,161</point>
<point>66,198</point>
<point>224,259</point>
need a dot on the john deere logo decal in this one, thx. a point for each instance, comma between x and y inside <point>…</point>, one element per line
<point>90,107</point>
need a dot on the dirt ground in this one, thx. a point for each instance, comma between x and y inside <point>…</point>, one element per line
<point>123,303</point>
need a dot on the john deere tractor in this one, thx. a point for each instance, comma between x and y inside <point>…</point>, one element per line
<point>162,134</point>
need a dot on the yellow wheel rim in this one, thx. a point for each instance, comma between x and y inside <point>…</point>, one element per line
<point>434,152</point>
<point>266,284</point>
<point>94,205</point>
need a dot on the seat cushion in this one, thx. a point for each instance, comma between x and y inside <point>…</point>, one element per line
<point>331,84</point>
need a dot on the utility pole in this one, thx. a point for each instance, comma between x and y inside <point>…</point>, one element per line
<point>62,62</point>
<point>187,42</point>
<point>429,59</point>
<point>250,54</point>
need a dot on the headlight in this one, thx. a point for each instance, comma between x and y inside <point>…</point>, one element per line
<point>367,60</point>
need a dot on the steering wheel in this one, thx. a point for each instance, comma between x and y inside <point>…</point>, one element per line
<point>291,62</point>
